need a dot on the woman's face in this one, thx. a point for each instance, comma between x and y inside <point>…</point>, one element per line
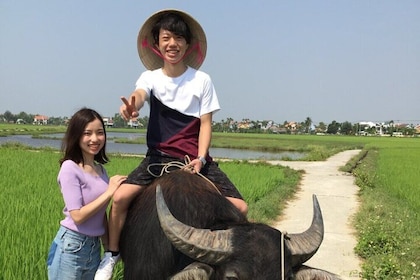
<point>172,46</point>
<point>93,139</point>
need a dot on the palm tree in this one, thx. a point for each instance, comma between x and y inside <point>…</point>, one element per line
<point>308,123</point>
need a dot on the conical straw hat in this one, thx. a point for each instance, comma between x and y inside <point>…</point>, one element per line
<point>195,54</point>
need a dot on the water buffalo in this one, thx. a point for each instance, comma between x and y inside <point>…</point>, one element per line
<point>181,228</point>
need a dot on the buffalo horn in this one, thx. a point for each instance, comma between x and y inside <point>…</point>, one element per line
<point>304,245</point>
<point>204,245</point>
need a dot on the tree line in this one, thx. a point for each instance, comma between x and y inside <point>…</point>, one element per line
<point>253,126</point>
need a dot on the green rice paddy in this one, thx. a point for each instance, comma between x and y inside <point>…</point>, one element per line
<point>388,222</point>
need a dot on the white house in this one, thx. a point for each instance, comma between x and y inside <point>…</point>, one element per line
<point>40,120</point>
<point>108,122</point>
<point>133,123</point>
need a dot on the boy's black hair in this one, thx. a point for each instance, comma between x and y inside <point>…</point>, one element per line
<point>174,23</point>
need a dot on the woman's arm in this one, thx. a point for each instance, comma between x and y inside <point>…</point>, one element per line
<point>79,216</point>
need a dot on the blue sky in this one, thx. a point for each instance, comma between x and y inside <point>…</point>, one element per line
<point>275,60</point>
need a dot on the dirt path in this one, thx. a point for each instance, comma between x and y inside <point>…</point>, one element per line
<point>337,196</point>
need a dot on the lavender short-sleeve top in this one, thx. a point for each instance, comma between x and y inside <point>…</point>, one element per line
<point>80,188</point>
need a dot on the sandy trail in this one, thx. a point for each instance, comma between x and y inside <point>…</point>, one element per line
<point>337,196</point>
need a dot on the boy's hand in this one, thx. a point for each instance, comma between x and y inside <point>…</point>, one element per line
<point>194,166</point>
<point>128,110</point>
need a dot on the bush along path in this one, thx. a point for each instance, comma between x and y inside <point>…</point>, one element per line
<point>337,196</point>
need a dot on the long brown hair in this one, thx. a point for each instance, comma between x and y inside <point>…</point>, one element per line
<point>70,145</point>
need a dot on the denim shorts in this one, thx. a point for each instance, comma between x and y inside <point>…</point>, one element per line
<point>142,174</point>
<point>73,255</point>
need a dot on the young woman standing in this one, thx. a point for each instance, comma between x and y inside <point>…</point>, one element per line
<point>87,190</point>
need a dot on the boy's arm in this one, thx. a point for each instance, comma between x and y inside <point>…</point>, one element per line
<point>204,140</point>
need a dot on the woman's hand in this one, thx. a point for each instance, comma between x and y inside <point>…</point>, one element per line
<point>115,182</point>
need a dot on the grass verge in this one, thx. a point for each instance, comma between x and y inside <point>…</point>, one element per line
<point>388,220</point>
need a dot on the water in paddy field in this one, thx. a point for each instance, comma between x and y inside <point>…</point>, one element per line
<point>141,149</point>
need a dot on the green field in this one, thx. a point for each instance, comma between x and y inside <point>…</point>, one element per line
<point>32,202</point>
<point>387,173</point>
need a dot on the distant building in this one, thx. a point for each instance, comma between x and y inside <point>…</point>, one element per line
<point>372,128</point>
<point>108,122</point>
<point>293,126</point>
<point>417,129</point>
<point>133,123</point>
<point>40,120</point>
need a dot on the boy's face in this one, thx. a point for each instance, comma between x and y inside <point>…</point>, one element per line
<point>172,46</point>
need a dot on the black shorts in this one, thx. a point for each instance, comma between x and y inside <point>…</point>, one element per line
<point>151,164</point>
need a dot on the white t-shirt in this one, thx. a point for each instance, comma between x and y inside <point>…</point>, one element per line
<point>192,93</point>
